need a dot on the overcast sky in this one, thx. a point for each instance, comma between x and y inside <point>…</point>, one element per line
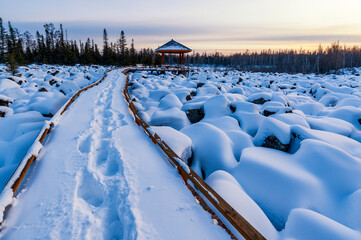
<point>223,25</point>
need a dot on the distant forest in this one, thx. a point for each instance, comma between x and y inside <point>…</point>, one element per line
<point>54,48</point>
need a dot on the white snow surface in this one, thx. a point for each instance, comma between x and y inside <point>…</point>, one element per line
<point>30,99</point>
<point>282,149</point>
<point>100,177</point>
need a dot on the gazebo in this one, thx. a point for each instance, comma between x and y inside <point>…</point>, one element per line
<point>173,47</point>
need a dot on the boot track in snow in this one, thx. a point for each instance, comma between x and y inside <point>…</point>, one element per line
<point>99,177</point>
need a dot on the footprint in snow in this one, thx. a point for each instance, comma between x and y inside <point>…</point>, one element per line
<point>84,143</point>
<point>90,190</point>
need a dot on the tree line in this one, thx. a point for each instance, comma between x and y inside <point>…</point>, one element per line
<point>322,60</point>
<point>53,47</point>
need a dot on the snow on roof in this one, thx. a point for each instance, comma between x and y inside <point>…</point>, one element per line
<point>173,45</point>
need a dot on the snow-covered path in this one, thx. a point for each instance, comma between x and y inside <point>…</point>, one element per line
<point>100,177</point>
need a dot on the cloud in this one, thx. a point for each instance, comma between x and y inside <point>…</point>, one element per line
<point>203,36</point>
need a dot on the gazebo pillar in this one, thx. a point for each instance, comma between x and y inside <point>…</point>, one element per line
<point>162,58</point>
<point>182,58</point>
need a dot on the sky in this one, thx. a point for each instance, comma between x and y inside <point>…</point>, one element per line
<point>226,26</point>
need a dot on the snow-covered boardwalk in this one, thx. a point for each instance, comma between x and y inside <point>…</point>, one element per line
<point>100,177</point>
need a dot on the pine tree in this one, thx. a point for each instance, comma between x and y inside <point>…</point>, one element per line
<point>19,52</point>
<point>105,48</point>
<point>123,48</point>
<point>88,52</point>
<point>11,65</point>
<point>132,54</point>
<point>28,38</point>
<point>97,55</point>
<point>40,56</point>
<point>50,42</point>
<point>2,42</point>
<point>11,40</point>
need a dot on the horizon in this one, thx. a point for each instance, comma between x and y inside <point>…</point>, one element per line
<point>216,27</point>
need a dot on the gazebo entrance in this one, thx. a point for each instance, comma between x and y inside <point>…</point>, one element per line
<point>173,47</point>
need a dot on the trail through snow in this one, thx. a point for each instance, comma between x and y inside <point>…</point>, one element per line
<point>100,177</point>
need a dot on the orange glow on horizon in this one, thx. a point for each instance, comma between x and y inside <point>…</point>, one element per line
<point>254,47</point>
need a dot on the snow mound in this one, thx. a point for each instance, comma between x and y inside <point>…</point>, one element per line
<point>172,117</point>
<point>230,190</point>
<point>179,142</point>
<point>210,154</point>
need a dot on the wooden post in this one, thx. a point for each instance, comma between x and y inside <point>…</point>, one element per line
<point>182,58</point>
<point>162,58</point>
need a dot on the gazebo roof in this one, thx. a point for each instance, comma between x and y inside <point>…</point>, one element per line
<point>173,47</point>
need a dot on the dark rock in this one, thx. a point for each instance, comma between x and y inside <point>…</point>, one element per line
<point>273,142</point>
<point>193,93</point>
<point>62,92</point>
<point>200,85</point>
<point>259,101</point>
<point>57,85</point>
<point>195,115</point>
<point>267,113</point>
<point>12,79</point>
<point>87,77</point>
<point>359,121</point>
<point>239,80</point>
<point>2,114</point>
<point>48,115</point>
<point>188,97</point>
<point>54,73</point>
<point>43,89</point>
<point>233,108</point>
<point>4,103</point>
<point>52,82</point>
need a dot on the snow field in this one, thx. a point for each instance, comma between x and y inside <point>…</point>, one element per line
<point>28,100</point>
<point>282,149</point>
<point>99,177</point>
